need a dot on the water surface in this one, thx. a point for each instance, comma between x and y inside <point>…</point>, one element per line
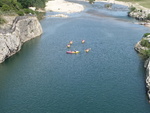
<point>42,78</point>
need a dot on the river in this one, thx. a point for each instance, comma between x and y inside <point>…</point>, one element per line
<point>42,78</point>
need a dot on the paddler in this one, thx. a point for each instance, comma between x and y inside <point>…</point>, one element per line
<point>68,45</point>
<point>83,41</point>
<point>71,42</point>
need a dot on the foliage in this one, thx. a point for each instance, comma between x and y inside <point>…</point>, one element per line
<point>28,11</point>
<point>20,13</point>
<point>32,3</point>
<point>145,53</point>
<point>145,43</point>
<point>5,7</point>
<point>146,34</point>
<point>132,8</point>
<point>39,14</point>
<point>108,5</point>
<point>2,20</point>
<point>1,4</point>
<point>20,7</point>
<point>91,1</point>
<point>148,16</point>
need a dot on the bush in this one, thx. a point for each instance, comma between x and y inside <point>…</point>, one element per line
<point>132,8</point>
<point>145,53</point>
<point>91,1</point>
<point>146,34</point>
<point>148,16</point>
<point>20,13</point>
<point>2,20</point>
<point>1,4</point>
<point>108,5</point>
<point>18,6</point>
<point>145,43</point>
<point>5,7</point>
<point>27,11</point>
<point>40,15</point>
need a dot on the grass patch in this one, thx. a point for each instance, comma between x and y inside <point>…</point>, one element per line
<point>144,3</point>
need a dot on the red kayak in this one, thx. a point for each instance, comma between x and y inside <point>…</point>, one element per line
<point>72,52</point>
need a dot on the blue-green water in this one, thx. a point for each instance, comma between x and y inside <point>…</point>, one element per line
<point>42,78</point>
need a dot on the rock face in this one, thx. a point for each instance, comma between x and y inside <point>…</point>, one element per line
<point>139,13</point>
<point>147,66</point>
<point>23,29</point>
<point>139,48</point>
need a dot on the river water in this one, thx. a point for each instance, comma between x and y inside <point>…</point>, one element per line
<point>42,78</point>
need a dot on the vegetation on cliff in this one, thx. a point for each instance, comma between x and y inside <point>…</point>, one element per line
<point>91,1</point>
<point>20,7</point>
<point>144,46</point>
<point>32,3</point>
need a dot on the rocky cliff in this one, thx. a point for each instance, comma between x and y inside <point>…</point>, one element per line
<point>141,14</point>
<point>147,66</point>
<point>23,29</point>
<point>140,48</point>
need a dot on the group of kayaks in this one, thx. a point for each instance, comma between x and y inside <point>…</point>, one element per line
<point>76,52</point>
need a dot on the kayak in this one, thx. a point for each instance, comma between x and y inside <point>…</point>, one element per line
<point>73,52</point>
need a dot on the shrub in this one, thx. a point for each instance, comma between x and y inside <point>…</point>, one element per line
<point>5,7</point>
<point>146,34</point>
<point>145,43</point>
<point>40,15</point>
<point>20,13</point>
<point>91,1</point>
<point>18,5</point>
<point>27,11</point>
<point>145,53</point>
<point>1,4</point>
<point>132,8</point>
<point>108,5</point>
<point>148,16</point>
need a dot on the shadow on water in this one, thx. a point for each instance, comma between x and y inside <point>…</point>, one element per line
<point>27,49</point>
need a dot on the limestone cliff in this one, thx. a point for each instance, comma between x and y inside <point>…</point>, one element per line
<point>147,66</point>
<point>23,29</point>
<point>139,48</point>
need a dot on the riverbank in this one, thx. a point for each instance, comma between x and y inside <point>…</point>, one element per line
<point>63,6</point>
<point>142,47</point>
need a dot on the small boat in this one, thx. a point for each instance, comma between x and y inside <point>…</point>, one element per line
<point>73,52</point>
<point>87,50</point>
<point>68,45</point>
<point>83,41</point>
<point>71,42</point>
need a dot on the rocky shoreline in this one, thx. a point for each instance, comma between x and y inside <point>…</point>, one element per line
<point>140,48</point>
<point>22,29</point>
